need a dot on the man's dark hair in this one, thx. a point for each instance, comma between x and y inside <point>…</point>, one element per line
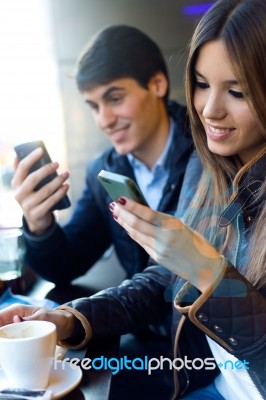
<point>117,52</point>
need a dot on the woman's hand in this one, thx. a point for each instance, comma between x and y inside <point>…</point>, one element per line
<point>64,320</point>
<point>169,242</point>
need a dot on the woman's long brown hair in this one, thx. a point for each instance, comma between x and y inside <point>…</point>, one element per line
<point>241,25</point>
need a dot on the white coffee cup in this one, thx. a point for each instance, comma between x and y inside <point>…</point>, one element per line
<point>26,353</point>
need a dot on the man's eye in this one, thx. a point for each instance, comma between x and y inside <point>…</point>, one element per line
<point>201,85</point>
<point>116,99</point>
<point>93,106</point>
<point>236,94</point>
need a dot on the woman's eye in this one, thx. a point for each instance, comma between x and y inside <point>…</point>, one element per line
<point>201,85</point>
<point>236,94</point>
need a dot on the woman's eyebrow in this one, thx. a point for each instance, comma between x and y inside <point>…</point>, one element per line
<point>228,81</point>
<point>199,74</point>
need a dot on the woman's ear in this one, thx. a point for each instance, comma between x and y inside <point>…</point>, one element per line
<point>159,84</point>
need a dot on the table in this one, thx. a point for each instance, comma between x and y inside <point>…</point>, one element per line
<point>95,385</point>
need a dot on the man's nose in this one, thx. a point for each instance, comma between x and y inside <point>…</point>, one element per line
<point>106,118</point>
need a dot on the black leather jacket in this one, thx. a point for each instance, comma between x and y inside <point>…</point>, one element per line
<point>64,253</point>
<point>233,315</point>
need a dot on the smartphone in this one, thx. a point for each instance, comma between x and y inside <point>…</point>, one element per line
<point>25,394</point>
<point>118,185</point>
<point>24,149</point>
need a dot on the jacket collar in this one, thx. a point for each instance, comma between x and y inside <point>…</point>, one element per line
<point>182,143</point>
<point>248,183</point>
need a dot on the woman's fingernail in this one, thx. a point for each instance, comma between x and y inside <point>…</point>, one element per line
<point>111,206</point>
<point>17,318</point>
<point>122,201</point>
<point>115,216</point>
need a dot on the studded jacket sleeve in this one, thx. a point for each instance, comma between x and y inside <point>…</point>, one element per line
<point>135,304</point>
<point>232,313</point>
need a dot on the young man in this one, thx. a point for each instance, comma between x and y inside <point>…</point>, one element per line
<point>123,79</point>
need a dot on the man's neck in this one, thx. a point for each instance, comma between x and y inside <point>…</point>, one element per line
<point>153,149</point>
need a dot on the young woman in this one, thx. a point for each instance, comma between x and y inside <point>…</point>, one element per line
<point>216,247</point>
<point>226,96</point>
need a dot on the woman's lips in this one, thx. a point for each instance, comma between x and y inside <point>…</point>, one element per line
<point>217,134</point>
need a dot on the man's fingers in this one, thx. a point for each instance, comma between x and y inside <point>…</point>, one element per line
<point>24,166</point>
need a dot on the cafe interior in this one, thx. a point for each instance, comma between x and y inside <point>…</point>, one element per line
<point>40,41</point>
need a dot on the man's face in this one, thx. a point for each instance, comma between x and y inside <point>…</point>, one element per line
<point>127,113</point>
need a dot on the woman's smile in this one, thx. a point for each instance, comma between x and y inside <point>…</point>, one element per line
<point>218,133</point>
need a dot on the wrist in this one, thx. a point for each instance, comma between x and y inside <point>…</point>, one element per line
<point>207,277</point>
<point>40,228</point>
<point>71,326</point>
<point>76,328</point>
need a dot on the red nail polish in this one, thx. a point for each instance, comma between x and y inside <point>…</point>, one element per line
<point>111,207</point>
<point>122,201</point>
<point>115,216</point>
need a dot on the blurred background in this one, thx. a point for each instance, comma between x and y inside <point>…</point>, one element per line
<point>40,41</point>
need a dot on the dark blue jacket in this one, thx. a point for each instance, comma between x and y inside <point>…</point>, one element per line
<point>64,253</point>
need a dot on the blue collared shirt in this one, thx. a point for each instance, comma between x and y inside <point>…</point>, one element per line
<point>152,181</point>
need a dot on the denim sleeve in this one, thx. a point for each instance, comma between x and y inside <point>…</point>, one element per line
<point>190,183</point>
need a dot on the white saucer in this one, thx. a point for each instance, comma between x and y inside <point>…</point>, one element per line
<point>62,380</point>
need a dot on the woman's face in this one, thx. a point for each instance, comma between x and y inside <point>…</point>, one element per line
<point>221,105</point>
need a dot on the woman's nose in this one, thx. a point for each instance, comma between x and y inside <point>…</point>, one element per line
<point>213,108</point>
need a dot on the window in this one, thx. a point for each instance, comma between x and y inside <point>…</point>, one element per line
<point>30,101</point>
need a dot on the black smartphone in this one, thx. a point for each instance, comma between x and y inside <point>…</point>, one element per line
<point>118,185</point>
<point>25,394</point>
<point>24,149</point>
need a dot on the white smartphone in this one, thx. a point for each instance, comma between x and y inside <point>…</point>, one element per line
<point>118,185</point>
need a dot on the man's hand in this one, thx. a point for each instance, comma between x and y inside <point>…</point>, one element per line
<point>36,205</point>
